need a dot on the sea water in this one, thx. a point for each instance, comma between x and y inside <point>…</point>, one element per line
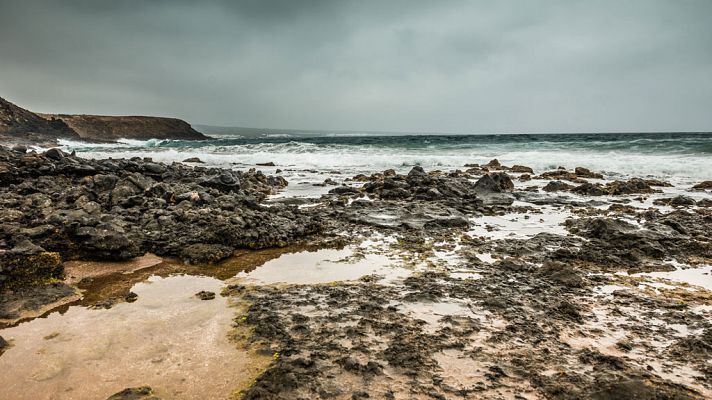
<point>685,158</point>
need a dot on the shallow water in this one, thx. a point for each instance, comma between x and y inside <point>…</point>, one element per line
<point>518,225</point>
<point>167,339</point>
<point>701,276</point>
<point>77,270</point>
<point>323,266</point>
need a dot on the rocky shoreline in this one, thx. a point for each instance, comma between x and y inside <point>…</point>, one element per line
<point>565,305</point>
<point>534,319</point>
<point>24,127</point>
<point>56,207</point>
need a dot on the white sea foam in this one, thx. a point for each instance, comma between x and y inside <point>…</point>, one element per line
<point>686,168</point>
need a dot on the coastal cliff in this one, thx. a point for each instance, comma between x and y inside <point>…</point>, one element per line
<point>21,126</point>
<point>18,125</point>
<point>112,128</point>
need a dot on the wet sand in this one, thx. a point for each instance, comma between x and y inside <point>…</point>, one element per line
<point>167,339</point>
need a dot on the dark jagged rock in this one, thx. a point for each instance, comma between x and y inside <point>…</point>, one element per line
<point>561,174</point>
<point>344,190</point>
<point>494,189</point>
<point>119,209</point>
<point>582,172</point>
<point>704,203</point>
<point>131,297</point>
<point>615,188</point>
<point>556,186</point>
<point>419,185</point>
<point>498,182</point>
<point>706,185</point>
<point>202,253</point>
<point>419,216</point>
<point>204,295</point>
<point>521,169</point>
<point>615,244</point>
<point>503,181</point>
<point>632,186</point>
<point>589,189</point>
<point>493,164</point>
<point>657,182</point>
<point>419,200</point>
<point>677,201</point>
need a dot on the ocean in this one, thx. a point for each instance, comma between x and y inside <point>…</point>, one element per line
<point>682,157</point>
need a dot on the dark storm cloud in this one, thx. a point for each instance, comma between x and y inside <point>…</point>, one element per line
<point>448,66</point>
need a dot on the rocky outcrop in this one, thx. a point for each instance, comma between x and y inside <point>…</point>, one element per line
<point>615,188</point>
<point>416,185</point>
<point>56,207</point>
<point>706,185</point>
<point>495,165</point>
<point>112,128</point>
<point>28,264</point>
<point>21,126</point>
<point>615,243</point>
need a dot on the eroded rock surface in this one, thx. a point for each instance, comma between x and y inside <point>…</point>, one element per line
<point>58,207</point>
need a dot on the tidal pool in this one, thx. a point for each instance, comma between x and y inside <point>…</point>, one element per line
<point>168,339</point>
<point>323,266</point>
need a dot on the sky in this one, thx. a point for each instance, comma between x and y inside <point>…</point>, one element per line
<point>397,65</point>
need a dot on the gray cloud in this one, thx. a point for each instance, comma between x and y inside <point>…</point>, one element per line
<point>449,66</point>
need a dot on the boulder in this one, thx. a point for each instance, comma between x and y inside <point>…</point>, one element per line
<point>706,185</point>
<point>225,181</point>
<point>205,295</point>
<point>494,164</point>
<point>589,189</point>
<point>632,186</point>
<point>55,154</point>
<point>521,169</point>
<point>206,253</point>
<point>582,172</point>
<point>677,201</point>
<point>556,186</point>
<point>497,182</point>
<point>344,190</point>
<point>105,241</point>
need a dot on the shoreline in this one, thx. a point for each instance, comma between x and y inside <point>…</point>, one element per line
<point>474,283</point>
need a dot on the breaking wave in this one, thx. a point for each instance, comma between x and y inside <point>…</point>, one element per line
<point>660,155</point>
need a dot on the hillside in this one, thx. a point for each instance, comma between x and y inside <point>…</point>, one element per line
<point>18,125</point>
<point>112,128</point>
<point>21,126</point>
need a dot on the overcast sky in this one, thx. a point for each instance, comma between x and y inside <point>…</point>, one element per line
<point>386,65</point>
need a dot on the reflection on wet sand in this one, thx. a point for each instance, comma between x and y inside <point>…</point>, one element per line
<point>167,339</point>
<point>322,266</point>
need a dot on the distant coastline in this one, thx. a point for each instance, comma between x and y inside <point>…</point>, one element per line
<point>21,126</point>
